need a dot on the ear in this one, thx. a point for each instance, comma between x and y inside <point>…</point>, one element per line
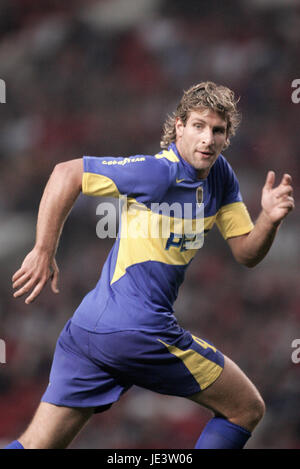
<point>227,141</point>
<point>179,126</point>
<point>226,144</point>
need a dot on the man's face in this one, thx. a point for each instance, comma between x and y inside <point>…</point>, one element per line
<point>201,139</point>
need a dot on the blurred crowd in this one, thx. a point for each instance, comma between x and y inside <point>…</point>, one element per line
<point>99,78</point>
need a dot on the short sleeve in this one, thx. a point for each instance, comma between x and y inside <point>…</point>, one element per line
<point>142,177</point>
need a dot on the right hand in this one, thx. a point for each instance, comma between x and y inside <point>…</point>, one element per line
<point>33,275</point>
<point>277,201</point>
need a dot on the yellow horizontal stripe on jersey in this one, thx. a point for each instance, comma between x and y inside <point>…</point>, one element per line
<point>234,220</point>
<point>203,370</point>
<point>169,155</point>
<point>140,239</point>
<point>99,185</point>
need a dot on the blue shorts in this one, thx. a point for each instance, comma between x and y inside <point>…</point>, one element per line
<point>93,369</point>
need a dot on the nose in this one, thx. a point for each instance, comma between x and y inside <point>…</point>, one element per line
<point>207,136</point>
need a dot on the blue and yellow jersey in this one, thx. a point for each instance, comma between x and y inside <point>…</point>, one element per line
<point>166,211</point>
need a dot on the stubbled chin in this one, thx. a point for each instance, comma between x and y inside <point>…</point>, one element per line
<point>203,163</point>
<point>203,168</point>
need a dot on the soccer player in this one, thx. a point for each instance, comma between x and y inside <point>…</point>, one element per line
<point>125,332</point>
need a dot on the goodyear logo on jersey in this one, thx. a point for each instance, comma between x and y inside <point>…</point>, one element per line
<point>123,161</point>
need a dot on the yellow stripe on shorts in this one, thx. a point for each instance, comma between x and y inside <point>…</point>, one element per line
<point>203,370</point>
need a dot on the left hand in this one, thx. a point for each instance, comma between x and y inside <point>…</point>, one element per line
<point>36,269</point>
<point>278,201</point>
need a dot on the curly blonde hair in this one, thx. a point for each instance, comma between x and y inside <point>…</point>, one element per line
<point>204,95</point>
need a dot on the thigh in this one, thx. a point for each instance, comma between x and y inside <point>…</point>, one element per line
<point>232,395</point>
<point>54,427</point>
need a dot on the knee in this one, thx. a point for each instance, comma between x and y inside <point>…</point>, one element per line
<point>252,413</point>
<point>257,411</point>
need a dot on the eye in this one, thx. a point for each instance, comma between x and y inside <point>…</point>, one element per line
<point>219,130</point>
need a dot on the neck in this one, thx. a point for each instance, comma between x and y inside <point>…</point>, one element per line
<point>202,173</point>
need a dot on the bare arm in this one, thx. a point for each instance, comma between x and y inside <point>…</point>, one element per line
<point>276,203</point>
<point>59,196</point>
